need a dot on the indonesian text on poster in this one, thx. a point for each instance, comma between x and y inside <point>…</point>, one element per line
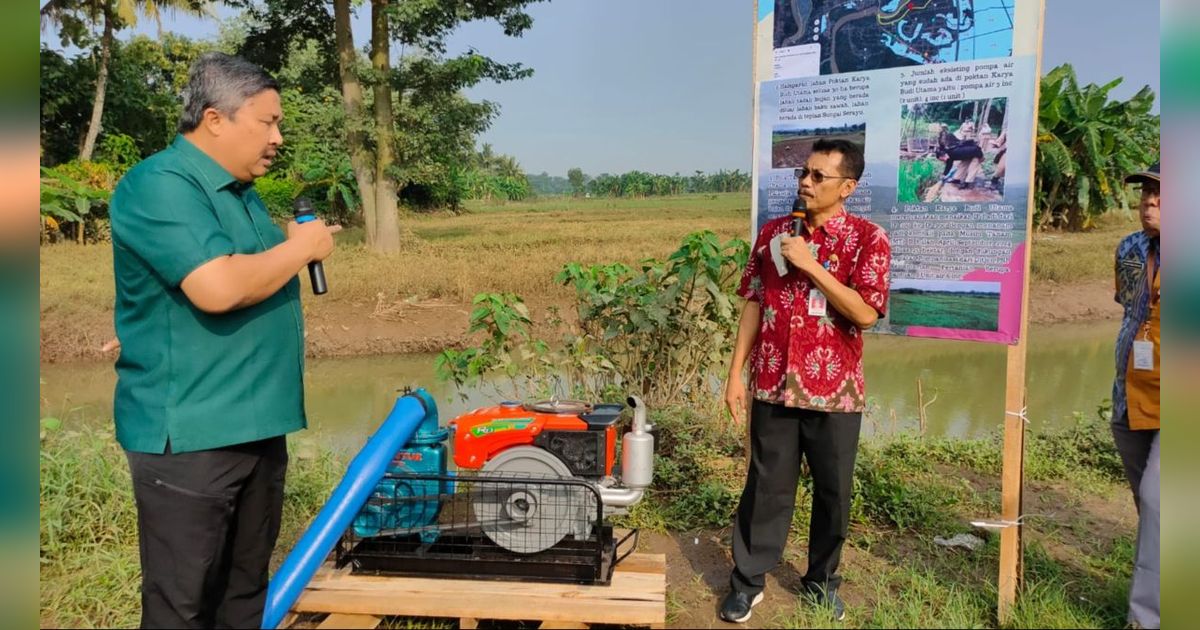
<point>941,94</point>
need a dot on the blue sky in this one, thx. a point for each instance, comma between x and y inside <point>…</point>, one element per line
<point>664,85</point>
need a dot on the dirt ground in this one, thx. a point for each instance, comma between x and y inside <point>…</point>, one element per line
<point>341,328</point>
<point>1075,525</point>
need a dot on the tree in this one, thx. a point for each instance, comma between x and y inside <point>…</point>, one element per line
<point>491,175</point>
<point>142,97</point>
<point>76,18</point>
<point>576,178</point>
<point>277,29</point>
<point>1086,144</point>
<point>421,97</point>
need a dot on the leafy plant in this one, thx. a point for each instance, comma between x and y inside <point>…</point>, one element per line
<point>916,176</point>
<point>659,331</point>
<point>119,150</point>
<point>508,347</point>
<point>63,198</point>
<point>1086,144</point>
<point>1086,445</point>
<point>277,194</point>
<point>665,327</point>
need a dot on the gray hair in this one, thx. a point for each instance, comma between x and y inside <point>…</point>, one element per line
<point>222,82</point>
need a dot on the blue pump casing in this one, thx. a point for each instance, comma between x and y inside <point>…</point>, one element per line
<point>410,415</point>
<point>391,506</point>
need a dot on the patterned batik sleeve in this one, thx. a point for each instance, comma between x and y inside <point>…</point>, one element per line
<point>872,276</point>
<point>751,285</point>
<point>1117,276</point>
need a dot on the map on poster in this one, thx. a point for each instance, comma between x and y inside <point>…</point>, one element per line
<point>941,97</point>
<point>831,37</point>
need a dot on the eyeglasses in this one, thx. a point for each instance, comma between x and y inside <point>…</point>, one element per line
<point>817,176</point>
<point>1150,188</point>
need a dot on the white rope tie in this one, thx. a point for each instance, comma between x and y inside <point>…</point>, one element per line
<point>1020,414</point>
<point>1003,524</point>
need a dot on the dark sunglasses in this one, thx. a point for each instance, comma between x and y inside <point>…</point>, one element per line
<point>1150,188</point>
<point>817,176</point>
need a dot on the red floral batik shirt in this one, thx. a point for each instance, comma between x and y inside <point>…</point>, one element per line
<point>810,361</point>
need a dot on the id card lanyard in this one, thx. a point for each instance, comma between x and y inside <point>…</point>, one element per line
<point>1143,349</point>
<point>1152,267</point>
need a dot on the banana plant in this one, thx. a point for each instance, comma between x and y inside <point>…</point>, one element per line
<point>1086,144</point>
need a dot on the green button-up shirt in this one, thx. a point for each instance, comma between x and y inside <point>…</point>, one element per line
<point>201,381</point>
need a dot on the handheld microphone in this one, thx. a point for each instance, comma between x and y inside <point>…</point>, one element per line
<point>302,209</point>
<point>799,211</point>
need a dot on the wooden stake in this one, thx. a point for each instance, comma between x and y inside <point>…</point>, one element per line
<point>1012,478</point>
<point>922,405</point>
<point>1013,471</point>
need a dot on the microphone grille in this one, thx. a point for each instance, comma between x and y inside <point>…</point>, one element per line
<point>302,205</point>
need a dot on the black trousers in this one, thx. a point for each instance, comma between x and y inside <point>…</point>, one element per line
<point>962,152</point>
<point>207,523</point>
<point>779,437</point>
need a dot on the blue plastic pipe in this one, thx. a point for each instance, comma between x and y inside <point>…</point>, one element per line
<point>347,499</point>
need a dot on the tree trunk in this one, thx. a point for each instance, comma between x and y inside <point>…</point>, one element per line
<point>89,139</point>
<point>387,226</point>
<point>361,159</point>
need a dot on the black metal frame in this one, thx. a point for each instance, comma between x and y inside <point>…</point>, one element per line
<point>462,550</point>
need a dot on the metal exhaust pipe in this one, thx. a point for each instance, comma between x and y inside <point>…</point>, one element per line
<point>637,461</point>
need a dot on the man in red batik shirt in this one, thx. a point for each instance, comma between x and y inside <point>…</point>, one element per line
<point>802,333</point>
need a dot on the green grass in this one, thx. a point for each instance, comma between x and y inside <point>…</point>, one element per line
<point>942,309</point>
<point>915,175</point>
<point>88,552</point>
<point>1064,257</point>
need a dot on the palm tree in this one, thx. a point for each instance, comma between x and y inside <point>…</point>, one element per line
<point>110,15</point>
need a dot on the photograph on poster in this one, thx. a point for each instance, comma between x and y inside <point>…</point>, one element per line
<point>791,145</point>
<point>945,304</point>
<point>856,35</point>
<point>953,151</point>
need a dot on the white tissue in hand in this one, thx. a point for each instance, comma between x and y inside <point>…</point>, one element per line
<point>776,249</point>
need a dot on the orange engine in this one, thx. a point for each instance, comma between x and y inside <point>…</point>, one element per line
<point>582,435</point>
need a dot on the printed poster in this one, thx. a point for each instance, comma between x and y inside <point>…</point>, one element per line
<point>941,94</point>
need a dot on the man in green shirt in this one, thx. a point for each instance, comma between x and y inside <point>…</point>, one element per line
<point>209,378</point>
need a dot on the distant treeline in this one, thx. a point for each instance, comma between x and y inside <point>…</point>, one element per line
<point>840,130</point>
<point>639,183</point>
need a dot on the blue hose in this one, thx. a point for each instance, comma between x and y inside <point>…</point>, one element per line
<point>347,499</point>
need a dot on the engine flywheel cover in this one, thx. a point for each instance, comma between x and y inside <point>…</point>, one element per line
<point>527,517</point>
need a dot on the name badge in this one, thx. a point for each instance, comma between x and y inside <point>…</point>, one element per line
<point>1143,355</point>
<point>816,303</point>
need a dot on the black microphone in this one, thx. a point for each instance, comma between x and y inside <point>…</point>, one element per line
<point>302,209</point>
<point>799,210</point>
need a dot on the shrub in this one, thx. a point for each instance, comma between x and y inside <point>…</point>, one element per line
<point>119,151</point>
<point>659,331</point>
<point>1085,446</point>
<point>277,194</point>
<point>75,192</point>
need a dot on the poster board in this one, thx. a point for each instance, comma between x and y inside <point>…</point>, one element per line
<point>918,83</point>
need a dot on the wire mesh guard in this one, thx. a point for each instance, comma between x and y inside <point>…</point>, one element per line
<point>520,526</point>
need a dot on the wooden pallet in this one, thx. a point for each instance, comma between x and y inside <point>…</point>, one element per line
<point>636,596</point>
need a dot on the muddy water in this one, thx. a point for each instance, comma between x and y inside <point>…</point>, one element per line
<point>962,384</point>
